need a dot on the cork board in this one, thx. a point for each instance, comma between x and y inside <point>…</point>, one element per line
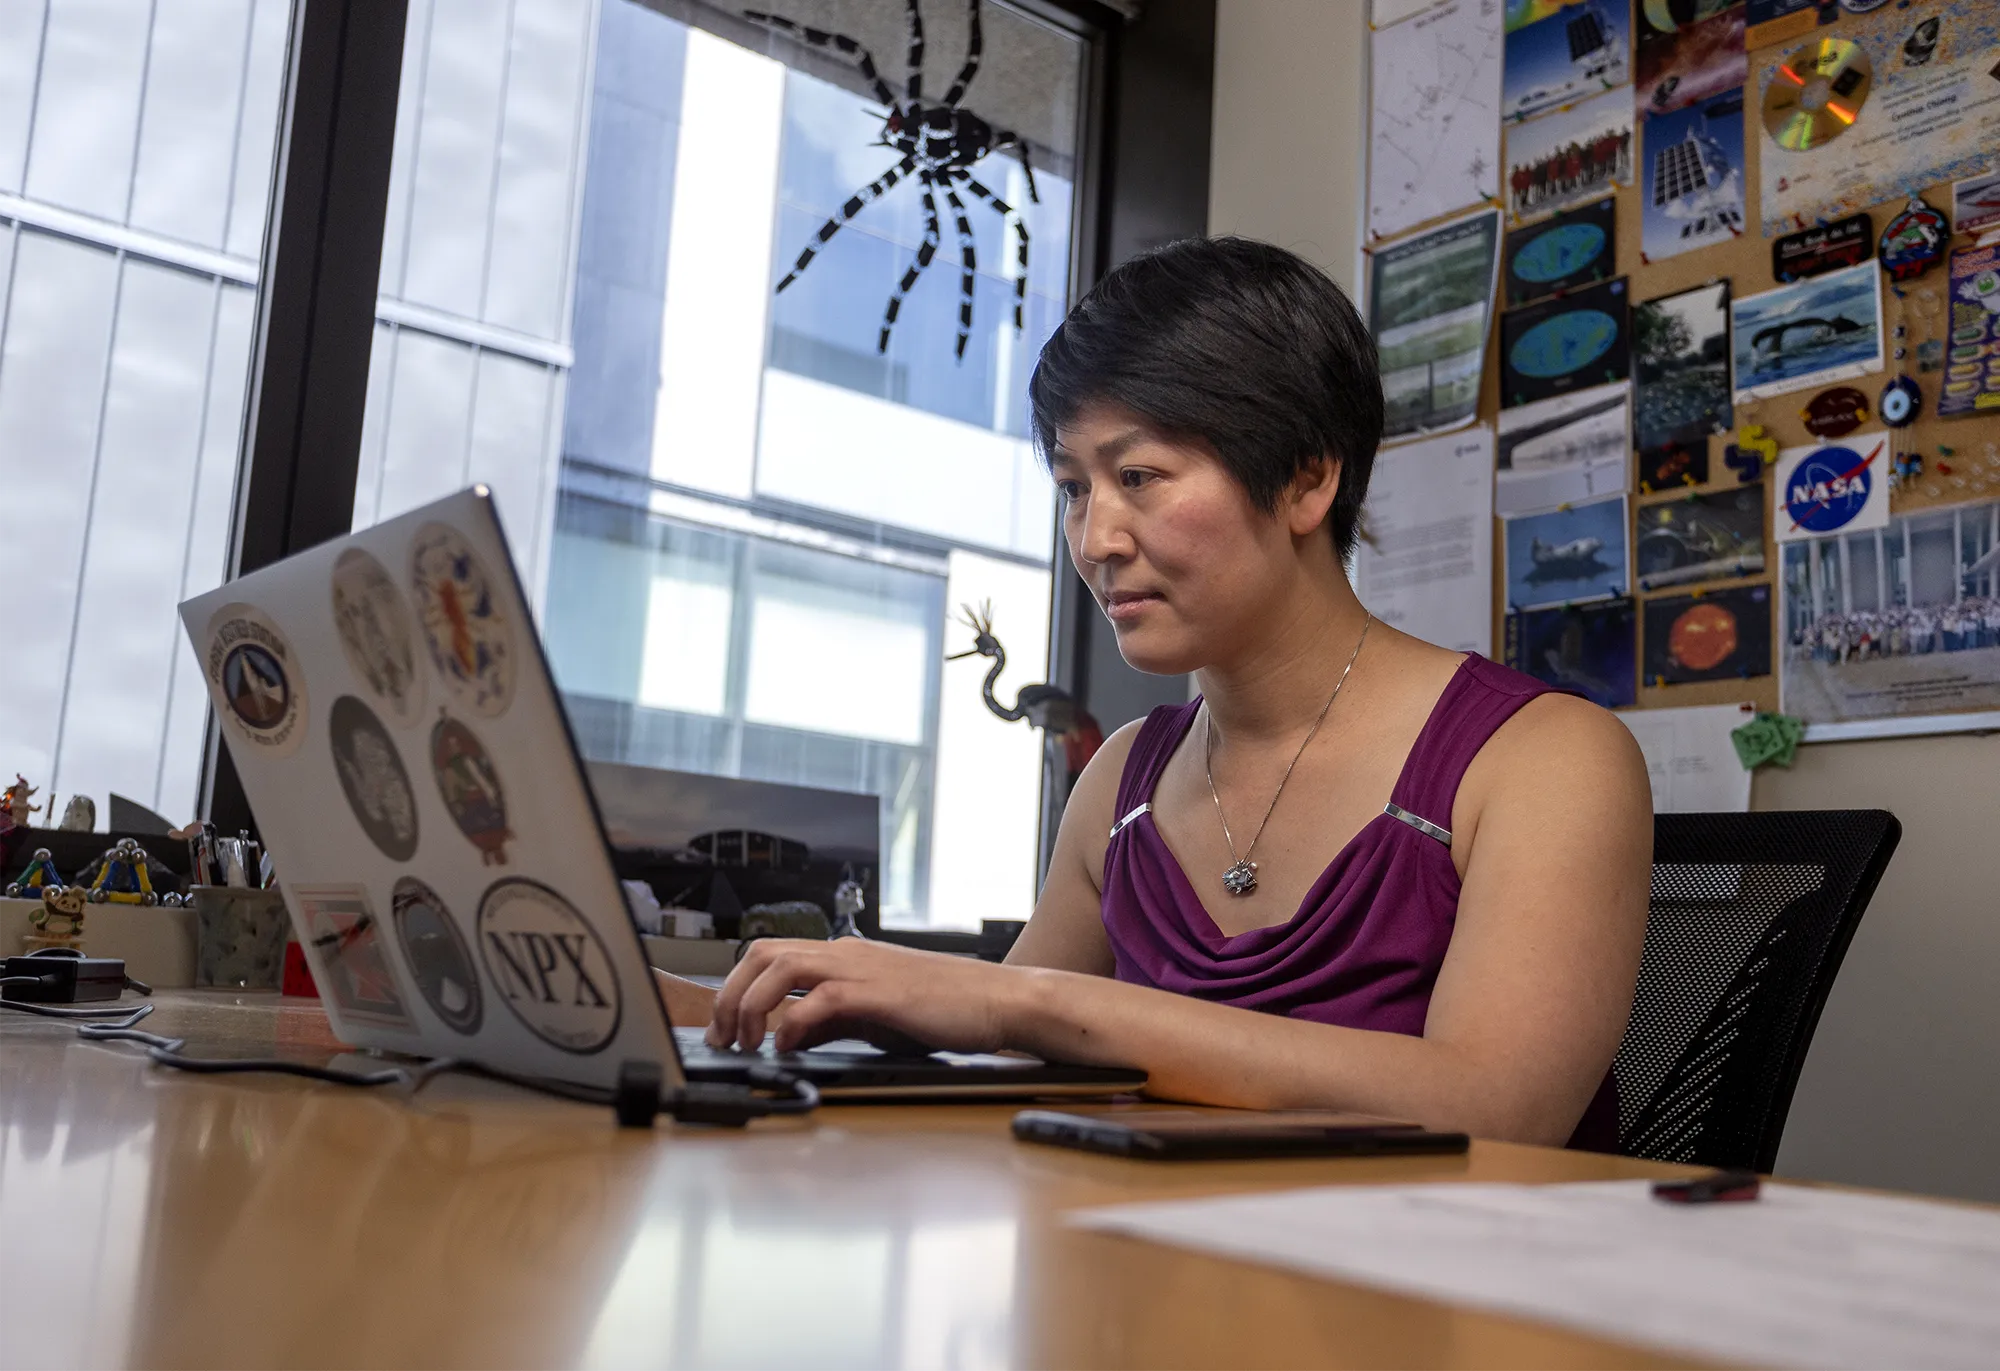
<point>1745,262</point>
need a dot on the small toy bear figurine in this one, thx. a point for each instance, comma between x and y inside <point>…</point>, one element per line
<point>59,922</point>
<point>40,875</point>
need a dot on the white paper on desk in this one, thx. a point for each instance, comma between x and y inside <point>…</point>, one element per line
<point>1689,758</point>
<point>1799,1277</point>
<point>1426,565</point>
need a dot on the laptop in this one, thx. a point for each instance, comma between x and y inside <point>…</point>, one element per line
<point>399,737</point>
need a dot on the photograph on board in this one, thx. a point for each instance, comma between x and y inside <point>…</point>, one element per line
<point>1562,450</point>
<point>1810,333</point>
<point>1901,621</point>
<point>1975,203</point>
<point>1568,555</point>
<point>1571,155</point>
<point>1590,649</point>
<point>1430,298</point>
<point>1688,50</point>
<point>1712,635</point>
<point>1574,249</point>
<point>1580,50</point>
<point>1563,344</point>
<point>1701,536</point>
<point>1694,177</point>
<point>1680,374</point>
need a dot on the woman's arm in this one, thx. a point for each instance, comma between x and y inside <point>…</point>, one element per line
<point>1524,1020</point>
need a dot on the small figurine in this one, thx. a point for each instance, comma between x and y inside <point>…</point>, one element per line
<point>81,816</point>
<point>40,875</point>
<point>15,811</point>
<point>122,878</point>
<point>59,922</point>
<point>1049,708</point>
<point>1909,466</point>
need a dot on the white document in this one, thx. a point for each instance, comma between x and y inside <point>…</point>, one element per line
<point>1434,114</point>
<point>1689,757</point>
<point>1797,1277</point>
<point>1425,564</point>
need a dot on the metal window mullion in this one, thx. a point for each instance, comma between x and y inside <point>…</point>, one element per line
<point>493,180</point>
<point>242,108</point>
<point>139,117</point>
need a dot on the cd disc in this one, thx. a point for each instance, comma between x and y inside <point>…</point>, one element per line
<point>1816,93</point>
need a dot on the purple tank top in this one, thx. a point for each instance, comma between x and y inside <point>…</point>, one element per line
<point>1365,946</point>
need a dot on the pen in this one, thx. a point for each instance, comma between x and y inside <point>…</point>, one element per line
<point>1717,1187</point>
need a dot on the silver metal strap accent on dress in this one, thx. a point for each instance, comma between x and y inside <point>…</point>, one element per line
<point>1119,827</point>
<point>1424,826</point>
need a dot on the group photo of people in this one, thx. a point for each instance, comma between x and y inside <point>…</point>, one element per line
<point>1906,631</point>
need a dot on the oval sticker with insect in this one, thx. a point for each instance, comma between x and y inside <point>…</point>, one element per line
<point>548,965</point>
<point>375,633</point>
<point>256,680</point>
<point>465,626</point>
<point>469,785</point>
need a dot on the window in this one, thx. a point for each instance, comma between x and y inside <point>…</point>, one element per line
<point>136,154</point>
<point>746,525</point>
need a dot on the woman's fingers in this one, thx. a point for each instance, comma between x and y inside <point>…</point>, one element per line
<point>769,971</point>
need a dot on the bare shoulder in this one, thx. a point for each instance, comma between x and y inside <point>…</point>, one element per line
<point>1087,818</point>
<point>1560,755</point>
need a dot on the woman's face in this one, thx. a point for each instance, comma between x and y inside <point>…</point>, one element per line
<point>1187,569</point>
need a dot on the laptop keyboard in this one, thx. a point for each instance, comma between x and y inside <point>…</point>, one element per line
<point>695,1051</point>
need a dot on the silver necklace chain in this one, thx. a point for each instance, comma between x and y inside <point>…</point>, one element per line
<point>1241,877</point>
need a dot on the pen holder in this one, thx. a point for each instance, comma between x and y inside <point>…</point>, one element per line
<point>239,936</point>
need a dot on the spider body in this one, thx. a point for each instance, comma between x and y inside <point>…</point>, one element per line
<point>940,141</point>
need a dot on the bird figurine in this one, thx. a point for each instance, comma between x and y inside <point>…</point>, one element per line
<point>1049,708</point>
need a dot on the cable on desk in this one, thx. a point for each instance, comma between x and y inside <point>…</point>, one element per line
<point>49,1012</point>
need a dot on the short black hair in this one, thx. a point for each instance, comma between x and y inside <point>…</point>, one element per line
<point>1245,346</point>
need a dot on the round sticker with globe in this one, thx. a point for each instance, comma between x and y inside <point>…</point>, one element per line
<point>1829,489</point>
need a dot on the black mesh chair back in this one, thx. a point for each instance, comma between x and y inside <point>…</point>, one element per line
<point>1750,917</point>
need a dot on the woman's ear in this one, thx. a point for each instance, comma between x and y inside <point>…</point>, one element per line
<point>1310,498</point>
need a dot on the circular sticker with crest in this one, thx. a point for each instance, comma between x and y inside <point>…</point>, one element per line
<point>440,962</point>
<point>255,676</point>
<point>375,633</point>
<point>466,628</point>
<point>548,965</point>
<point>373,779</point>
<point>469,785</point>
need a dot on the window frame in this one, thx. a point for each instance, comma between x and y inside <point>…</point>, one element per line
<point>315,313</point>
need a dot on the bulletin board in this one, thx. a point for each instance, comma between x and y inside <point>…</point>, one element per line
<point>1745,261</point>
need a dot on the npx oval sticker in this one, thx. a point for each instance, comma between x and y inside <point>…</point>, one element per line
<point>549,966</point>
<point>1839,488</point>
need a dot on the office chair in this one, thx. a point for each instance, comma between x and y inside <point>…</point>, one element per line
<point>1750,917</point>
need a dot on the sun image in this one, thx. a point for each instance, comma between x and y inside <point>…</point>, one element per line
<point>1703,637</point>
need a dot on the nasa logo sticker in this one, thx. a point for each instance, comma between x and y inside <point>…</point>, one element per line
<point>436,953</point>
<point>255,677</point>
<point>373,779</point>
<point>469,785</point>
<point>1839,488</point>
<point>548,966</point>
<point>375,633</point>
<point>465,627</point>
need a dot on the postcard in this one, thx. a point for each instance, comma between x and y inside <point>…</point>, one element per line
<point>1590,649</point>
<point>1562,450</point>
<point>1806,334</point>
<point>1975,203</point>
<point>1570,156</point>
<point>1701,536</point>
<point>1694,177</point>
<point>1710,635</point>
<point>1578,51</point>
<point>1567,555</point>
<point>1576,248</point>
<point>1568,343</point>
<point>1688,52</point>
<point>1680,371</point>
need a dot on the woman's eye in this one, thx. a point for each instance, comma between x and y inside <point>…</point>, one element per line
<point>1132,478</point>
<point>1069,490</point>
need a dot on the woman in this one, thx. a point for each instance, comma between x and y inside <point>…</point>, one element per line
<point>1358,871</point>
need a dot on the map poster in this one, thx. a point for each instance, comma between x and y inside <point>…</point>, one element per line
<point>1932,114</point>
<point>1567,157</point>
<point>1430,299</point>
<point>1434,115</point>
<point>1972,365</point>
<point>1566,343</point>
<point>1897,622</point>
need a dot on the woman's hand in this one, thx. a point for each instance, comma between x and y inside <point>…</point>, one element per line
<point>890,996</point>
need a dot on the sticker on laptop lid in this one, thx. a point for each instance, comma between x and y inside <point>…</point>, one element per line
<point>548,965</point>
<point>254,672</point>
<point>439,960</point>
<point>344,941</point>
<point>469,785</point>
<point>373,778</point>
<point>375,632</point>
<point>465,626</point>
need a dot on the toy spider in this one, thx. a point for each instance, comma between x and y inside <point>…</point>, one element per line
<point>939,142</point>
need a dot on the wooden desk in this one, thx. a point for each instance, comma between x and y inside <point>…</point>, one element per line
<point>151,1218</point>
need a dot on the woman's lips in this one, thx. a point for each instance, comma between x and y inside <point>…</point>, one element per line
<point>1123,607</point>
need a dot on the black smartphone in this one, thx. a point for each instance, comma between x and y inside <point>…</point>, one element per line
<point>1194,1135</point>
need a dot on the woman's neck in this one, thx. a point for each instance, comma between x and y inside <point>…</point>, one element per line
<point>1275,690</point>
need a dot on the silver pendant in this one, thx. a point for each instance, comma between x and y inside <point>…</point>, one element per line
<point>1241,878</point>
